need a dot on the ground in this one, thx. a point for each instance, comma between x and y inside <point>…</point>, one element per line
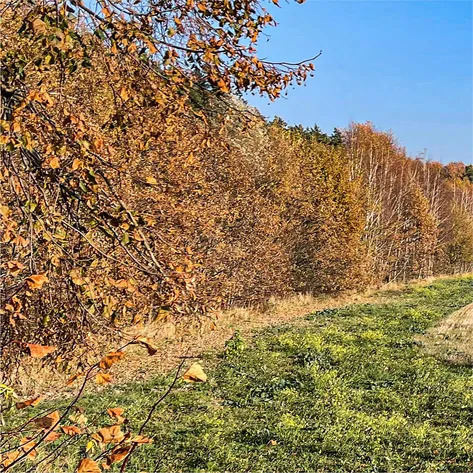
<point>355,388</point>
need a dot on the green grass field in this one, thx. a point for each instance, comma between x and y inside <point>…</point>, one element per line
<point>340,391</point>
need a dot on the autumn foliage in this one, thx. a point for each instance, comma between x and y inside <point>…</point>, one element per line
<point>135,187</point>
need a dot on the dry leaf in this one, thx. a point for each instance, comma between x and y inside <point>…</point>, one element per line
<point>112,358</point>
<point>36,281</point>
<point>195,373</point>
<point>15,267</point>
<point>39,351</point>
<point>151,181</point>
<point>9,458</point>
<point>47,422</point>
<point>116,413</point>
<point>54,163</point>
<point>30,402</point>
<point>103,378</point>
<point>147,343</point>
<point>88,465</point>
<point>52,436</point>
<point>71,430</point>
<point>118,454</point>
<point>111,434</point>
<point>27,444</point>
<point>73,378</point>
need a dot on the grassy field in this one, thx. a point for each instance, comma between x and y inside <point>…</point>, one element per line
<point>341,390</point>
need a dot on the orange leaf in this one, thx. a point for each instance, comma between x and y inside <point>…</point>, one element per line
<point>103,378</point>
<point>87,465</point>
<point>15,267</point>
<point>36,281</point>
<point>9,458</point>
<point>118,454</point>
<point>116,413</point>
<point>52,436</point>
<point>30,402</point>
<point>195,373</point>
<point>54,163</point>
<point>71,430</point>
<point>39,351</point>
<point>73,378</point>
<point>27,444</point>
<point>112,358</point>
<point>47,422</point>
<point>111,434</point>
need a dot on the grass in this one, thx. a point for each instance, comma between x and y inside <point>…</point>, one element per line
<point>343,390</point>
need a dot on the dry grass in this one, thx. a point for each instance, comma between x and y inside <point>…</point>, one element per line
<point>452,338</point>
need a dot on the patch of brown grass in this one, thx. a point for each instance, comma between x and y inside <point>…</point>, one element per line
<point>452,338</point>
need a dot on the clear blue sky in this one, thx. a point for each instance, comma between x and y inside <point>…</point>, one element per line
<point>405,66</point>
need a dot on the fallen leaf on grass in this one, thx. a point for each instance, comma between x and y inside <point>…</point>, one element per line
<point>30,402</point>
<point>194,374</point>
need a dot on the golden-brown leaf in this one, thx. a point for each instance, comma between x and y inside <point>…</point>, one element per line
<point>47,422</point>
<point>116,413</point>
<point>8,458</point>
<point>30,402</point>
<point>39,351</point>
<point>54,163</point>
<point>74,377</point>
<point>118,454</point>
<point>52,436</point>
<point>71,430</point>
<point>147,343</point>
<point>88,465</point>
<point>15,267</point>
<point>112,358</point>
<point>195,373</point>
<point>103,378</point>
<point>151,181</point>
<point>111,434</point>
<point>36,281</point>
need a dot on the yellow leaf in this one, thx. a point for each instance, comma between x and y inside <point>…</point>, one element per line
<point>76,164</point>
<point>151,181</point>
<point>195,373</point>
<point>124,94</point>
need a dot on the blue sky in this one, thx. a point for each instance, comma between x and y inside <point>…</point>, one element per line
<point>405,66</point>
